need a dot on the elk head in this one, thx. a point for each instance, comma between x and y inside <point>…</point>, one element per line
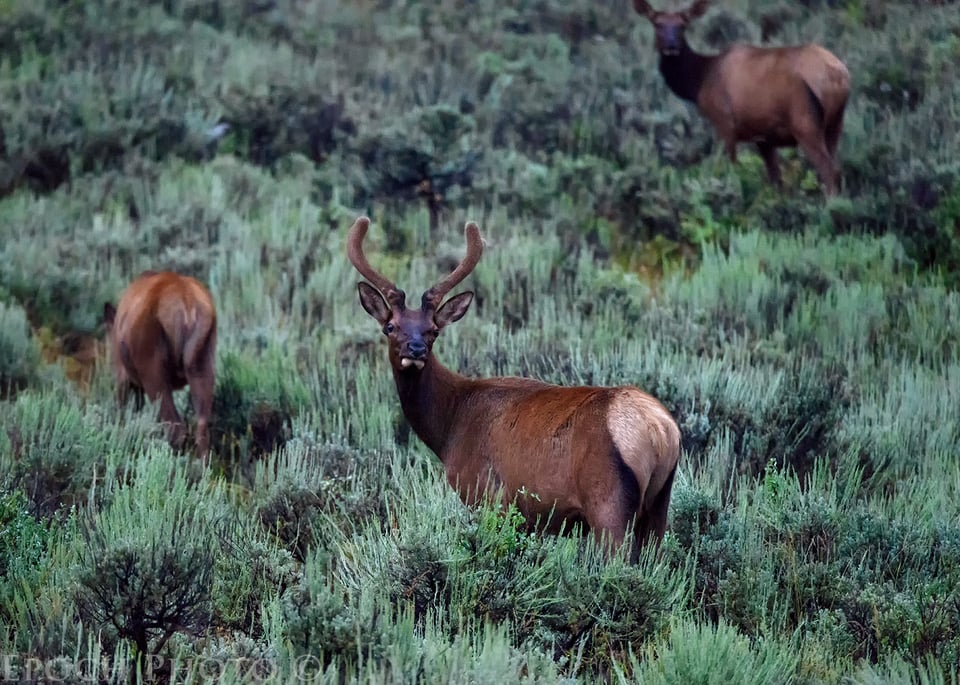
<point>670,27</point>
<point>412,332</point>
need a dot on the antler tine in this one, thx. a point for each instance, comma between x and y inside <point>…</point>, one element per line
<point>474,251</point>
<point>359,260</point>
<point>643,8</point>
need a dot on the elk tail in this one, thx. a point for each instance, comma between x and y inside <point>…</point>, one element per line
<point>198,339</point>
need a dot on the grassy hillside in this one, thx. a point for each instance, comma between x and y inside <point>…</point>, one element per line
<point>807,348</point>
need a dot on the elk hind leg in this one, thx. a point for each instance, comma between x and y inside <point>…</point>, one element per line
<point>650,525</point>
<point>201,395</point>
<point>816,151</point>
<point>199,355</point>
<point>610,510</point>
<point>833,129</point>
<point>157,386</point>
<point>810,132</point>
<point>769,154</point>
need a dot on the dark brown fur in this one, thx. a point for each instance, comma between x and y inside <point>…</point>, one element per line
<point>601,456</point>
<point>163,336</point>
<point>772,97</point>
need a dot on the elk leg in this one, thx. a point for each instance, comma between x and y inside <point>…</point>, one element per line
<point>176,430</point>
<point>125,388</point>
<point>156,386</point>
<point>832,133</point>
<point>809,131</point>
<point>769,154</point>
<point>138,398</point>
<point>652,524</point>
<point>123,392</point>
<point>816,151</point>
<point>608,523</point>
<point>731,147</point>
<point>201,395</point>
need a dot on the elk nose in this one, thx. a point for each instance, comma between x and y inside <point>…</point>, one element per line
<point>418,348</point>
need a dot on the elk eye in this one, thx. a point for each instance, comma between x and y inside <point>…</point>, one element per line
<point>388,328</point>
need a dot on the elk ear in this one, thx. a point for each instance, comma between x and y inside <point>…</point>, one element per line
<point>109,313</point>
<point>373,302</point>
<point>696,10</point>
<point>644,9</point>
<point>453,309</point>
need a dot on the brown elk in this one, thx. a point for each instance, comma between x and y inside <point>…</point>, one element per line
<point>599,456</point>
<point>163,336</point>
<point>772,97</point>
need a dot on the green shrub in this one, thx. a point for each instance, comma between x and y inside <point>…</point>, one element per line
<point>306,489</point>
<point>19,356</point>
<point>328,620</point>
<point>248,572</point>
<point>24,543</point>
<point>145,565</point>
<point>62,452</point>
<point>697,654</point>
<point>254,403</point>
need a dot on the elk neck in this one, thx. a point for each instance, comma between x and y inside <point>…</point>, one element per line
<point>685,72</point>
<point>430,400</point>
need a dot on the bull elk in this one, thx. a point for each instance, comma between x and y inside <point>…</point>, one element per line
<point>772,97</point>
<point>163,336</point>
<point>601,457</point>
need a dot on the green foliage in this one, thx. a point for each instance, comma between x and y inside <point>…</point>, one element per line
<point>59,452</point>
<point>24,543</point>
<point>712,655</point>
<point>808,349</point>
<point>248,572</point>
<point>321,615</point>
<point>19,357</point>
<point>145,566</point>
<point>254,402</point>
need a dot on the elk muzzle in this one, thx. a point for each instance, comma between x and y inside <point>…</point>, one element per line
<point>669,39</point>
<point>413,354</point>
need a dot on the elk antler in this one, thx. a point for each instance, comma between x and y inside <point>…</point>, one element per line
<point>644,9</point>
<point>434,295</point>
<point>696,9</point>
<point>359,261</point>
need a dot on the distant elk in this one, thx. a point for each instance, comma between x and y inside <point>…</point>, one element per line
<point>601,457</point>
<point>773,97</point>
<point>163,336</point>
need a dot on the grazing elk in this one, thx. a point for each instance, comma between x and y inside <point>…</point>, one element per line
<point>163,336</point>
<point>602,457</point>
<point>773,97</point>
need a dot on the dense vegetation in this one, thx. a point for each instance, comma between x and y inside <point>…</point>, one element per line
<point>808,349</point>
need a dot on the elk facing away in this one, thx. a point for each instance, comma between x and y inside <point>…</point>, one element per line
<point>163,336</point>
<point>773,97</point>
<point>602,457</point>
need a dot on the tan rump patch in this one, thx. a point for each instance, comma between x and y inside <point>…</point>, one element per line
<point>639,424</point>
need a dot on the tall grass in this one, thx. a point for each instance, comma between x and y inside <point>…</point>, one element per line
<point>808,350</point>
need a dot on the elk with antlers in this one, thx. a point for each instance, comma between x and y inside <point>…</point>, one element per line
<point>772,97</point>
<point>601,457</point>
<point>163,336</point>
